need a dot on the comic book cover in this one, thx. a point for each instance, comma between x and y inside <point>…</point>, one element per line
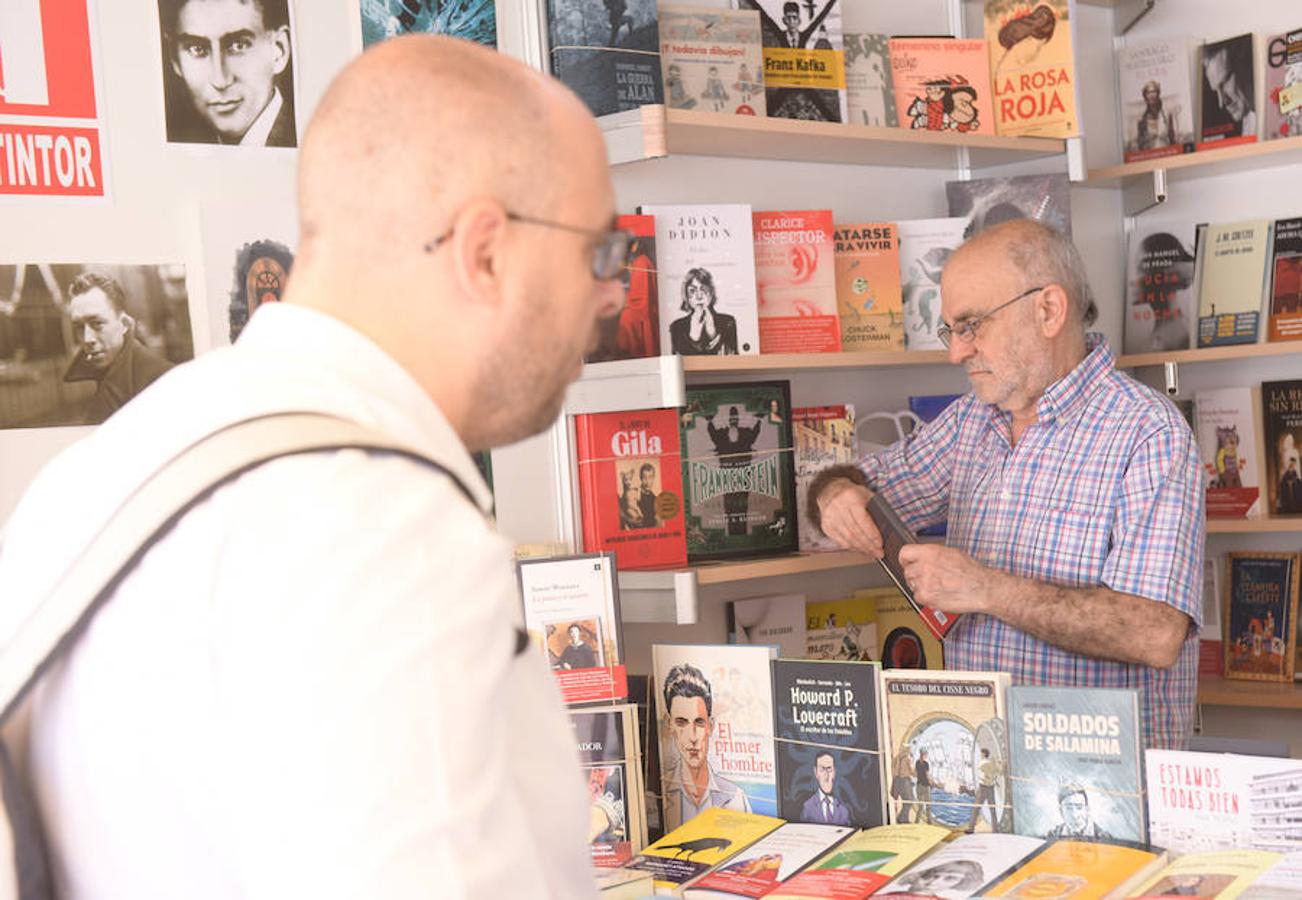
<point>1082,870</point>
<point>869,85</point>
<point>795,282</point>
<point>1233,278</point>
<point>988,201</point>
<point>870,300</point>
<point>1229,92</point>
<point>712,60</point>
<point>942,84</point>
<point>1284,320</point>
<point>804,58</point>
<point>844,628</point>
<point>902,641</point>
<point>1159,292</point>
<point>1282,106</point>
<point>767,863</point>
<point>1156,86</point>
<point>606,51</point>
<point>1032,67</point>
<point>958,869</point>
<point>607,742</point>
<point>691,850</point>
<point>471,20</point>
<point>635,332</point>
<point>1227,443</point>
<point>825,436</point>
<point>738,470</point>
<point>862,863</point>
<point>1281,412</point>
<point>925,245</point>
<point>1261,616</point>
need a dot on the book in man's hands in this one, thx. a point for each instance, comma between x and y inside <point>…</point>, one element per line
<point>895,534</point>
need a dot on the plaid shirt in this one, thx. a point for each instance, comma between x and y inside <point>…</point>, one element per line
<point>1104,489</point>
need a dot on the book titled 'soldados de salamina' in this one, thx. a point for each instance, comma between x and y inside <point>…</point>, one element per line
<point>1032,69</point>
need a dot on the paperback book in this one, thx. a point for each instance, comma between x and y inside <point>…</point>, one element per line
<point>959,869</point>
<point>1160,293</point>
<point>1261,615</point>
<point>862,863</point>
<point>942,84</point>
<point>1229,92</point>
<point>711,59</point>
<point>1032,68</point>
<point>925,246</point>
<point>869,86</point>
<point>609,55</point>
<point>1156,87</point>
<point>983,202</point>
<point>1283,85</point>
<point>869,297</point>
<point>1082,870</point>
<point>1284,319</point>
<point>1281,412</point>
<point>795,282</point>
<point>635,332</point>
<point>902,641</point>
<point>1222,873</point>
<point>1227,442</point>
<point>804,59</point>
<point>767,863</point>
<point>777,620</point>
<point>1233,277</point>
<point>689,851</point>
<point>825,436</point>
<point>607,742</point>
<point>840,629</point>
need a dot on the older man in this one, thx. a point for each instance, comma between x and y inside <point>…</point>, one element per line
<point>311,686</point>
<point>1071,492</point>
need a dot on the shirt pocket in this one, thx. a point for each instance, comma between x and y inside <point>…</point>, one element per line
<point>1067,545</point>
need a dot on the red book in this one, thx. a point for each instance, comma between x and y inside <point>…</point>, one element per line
<point>635,332</point>
<point>631,487</point>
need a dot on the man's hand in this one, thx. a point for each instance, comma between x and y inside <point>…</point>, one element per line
<point>948,579</point>
<point>843,512</point>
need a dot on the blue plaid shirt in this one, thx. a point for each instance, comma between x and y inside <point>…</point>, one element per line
<point>1103,489</point>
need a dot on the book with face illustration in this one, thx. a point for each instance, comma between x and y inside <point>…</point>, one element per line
<point>1032,69</point>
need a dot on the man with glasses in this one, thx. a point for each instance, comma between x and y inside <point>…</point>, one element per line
<point>1071,492</point>
<point>299,690</point>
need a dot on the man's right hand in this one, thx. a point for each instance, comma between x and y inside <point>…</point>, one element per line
<point>843,511</point>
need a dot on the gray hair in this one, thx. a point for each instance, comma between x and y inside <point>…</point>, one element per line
<point>1044,255</point>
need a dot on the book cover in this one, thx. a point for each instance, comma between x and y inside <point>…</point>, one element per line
<point>902,641</point>
<point>1225,873</point>
<point>869,85</point>
<point>870,300</point>
<point>706,279</point>
<point>631,486</point>
<point>1261,615</point>
<point>738,470</point>
<point>795,282</point>
<point>1082,870</point>
<point>957,870</point>
<point>942,84</point>
<point>1032,67</point>
<point>640,694</point>
<point>1233,278</point>
<point>1156,88</point>
<point>840,629</point>
<point>1282,881</point>
<point>767,863</point>
<point>895,536</point>
<point>927,406</point>
<point>692,849</point>
<point>777,621</point>
<point>804,58</point>
<point>925,245</point>
<point>824,436</point>
<point>607,53</point>
<point>623,884</point>
<point>715,705</point>
<point>379,20</point>
<point>1282,106</point>
<point>711,59</point>
<point>1281,414</point>
<point>607,742</point>
<point>1078,755</point>
<point>1284,319</point>
<point>571,613</point>
<point>940,728</point>
<point>1211,653</point>
<point>635,332</point>
<point>1227,442</point>
<point>862,863</point>
<point>1229,92</point>
<point>827,733</point>
<point>1159,293</point>
<point>988,201</point>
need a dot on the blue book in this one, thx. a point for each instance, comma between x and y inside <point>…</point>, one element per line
<point>926,407</point>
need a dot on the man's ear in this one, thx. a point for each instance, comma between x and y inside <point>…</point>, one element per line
<point>280,41</point>
<point>476,246</point>
<point>1052,310</point>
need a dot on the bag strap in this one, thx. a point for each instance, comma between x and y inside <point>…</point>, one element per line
<point>149,513</point>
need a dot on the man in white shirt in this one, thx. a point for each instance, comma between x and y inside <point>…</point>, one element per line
<point>312,685</point>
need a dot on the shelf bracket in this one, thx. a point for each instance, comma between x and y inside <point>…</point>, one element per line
<point>1141,194</point>
<point>664,598</point>
<point>656,382</point>
<point>1130,12</point>
<point>1076,169</point>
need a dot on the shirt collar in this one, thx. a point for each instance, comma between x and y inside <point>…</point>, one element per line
<point>1069,393</point>
<point>258,132</point>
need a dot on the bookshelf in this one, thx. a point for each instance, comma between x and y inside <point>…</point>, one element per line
<point>1265,525</point>
<point>1210,354</point>
<point>1204,163</point>
<point>786,362</point>
<point>1217,691</point>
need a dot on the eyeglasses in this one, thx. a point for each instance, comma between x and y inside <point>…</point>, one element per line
<point>609,250</point>
<point>967,332</point>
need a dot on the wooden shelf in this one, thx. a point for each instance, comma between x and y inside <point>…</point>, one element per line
<point>1216,691</point>
<point>1254,526</point>
<point>650,132</point>
<point>769,567</point>
<point>766,362</point>
<point>1204,163</point>
<point>1209,354</point>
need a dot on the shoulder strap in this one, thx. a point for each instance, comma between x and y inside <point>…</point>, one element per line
<point>152,509</point>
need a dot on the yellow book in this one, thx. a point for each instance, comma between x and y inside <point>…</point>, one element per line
<point>700,844</point>
<point>1081,870</point>
<point>840,629</point>
<point>1222,874</point>
<point>903,641</point>
<point>862,863</point>
<point>1032,70</point>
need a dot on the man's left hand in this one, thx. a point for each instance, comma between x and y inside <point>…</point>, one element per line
<point>948,579</point>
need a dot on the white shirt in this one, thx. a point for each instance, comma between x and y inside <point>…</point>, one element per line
<point>309,688</point>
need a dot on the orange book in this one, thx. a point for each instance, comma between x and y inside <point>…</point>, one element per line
<point>943,84</point>
<point>1032,69</point>
<point>795,282</point>
<point>1082,870</point>
<point>868,294</point>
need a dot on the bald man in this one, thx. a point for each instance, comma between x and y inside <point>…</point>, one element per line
<point>1071,492</point>
<point>311,686</point>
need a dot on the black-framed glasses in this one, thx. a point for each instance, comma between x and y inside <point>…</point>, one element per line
<point>967,332</point>
<point>610,247</point>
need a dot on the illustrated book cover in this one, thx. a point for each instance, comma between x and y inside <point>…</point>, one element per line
<point>1230,95</point>
<point>795,282</point>
<point>1032,67</point>
<point>764,865</point>
<point>958,869</point>
<point>738,470</point>
<point>827,733</point>
<point>777,620</point>
<point>804,58</point>
<point>869,85</point>
<point>1282,88</point>
<point>942,84</point>
<point>689,851</point>
<point>1159,292</point>
<point>471,20</point>
<point>844,628</point>
<point>706,279</point>
<point>862,863</point>
<point>607,742</point>
<point>824,436</point>
<point>1227,432</point>
<point>712,60</point>
<point>1223,873</point>
<point>988,201</point>
<point>1156,89</point>
<point>1281,413</point>
<point>635,332</point>
<point>925,245</point>
<point>1284,317</point>
<point>869,296</point>
<point>1260,615</point>
<point>630,473</point>
<point>903,642</point>
<point>1082,870</point>
<point>1078,759</point>
<point>607,53</point>
<point>1233,280</point>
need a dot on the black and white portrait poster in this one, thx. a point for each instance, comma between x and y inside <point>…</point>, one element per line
<point>248,253</point>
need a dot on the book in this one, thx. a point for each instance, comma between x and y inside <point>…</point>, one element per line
<point>623,884</point>
<point>631,486</point>
<point>895,535</point>
<point>1281,415</point>
<point>1211,654</point>
<point>711,59</point>
<point>928,406</point>
<point>738,470</point>
<point>1284,317</point>
<point>1233,279</point>
<point>795,282</point>
<point>635,332</point>
<point>942,84</point>
<point>1157,97</point>
<point>862,863</point>
<point>1082,870</point>
<point>960,868</point>
<point>715,706</point>
<point>607,742</point>
<point>777,620</point>
<point>640,694</point>
<point>571,613</point>
<point>1229,92</point>
<point>1219,874</point>
<point>940,728</point>
<point>1032,67</point>
<point>804,59</point>
<point>1227,442</point>
<point>1078,758</point>
<point>869,298</point>
<point>767,863</point>
<point>902,641</point>
<point>1261,615</point>
<point>824,436</point>
<point>1282,881</point>
<point>827,734</point>
<point>1159,292</point>
<point>869,86</point>
<point>840,629</point>
<point>695,847</point>
<point>983,202</point>
<point>1282,85</point>
<point>607,53</point>
<point>706,279</point>
<point>925,245</point>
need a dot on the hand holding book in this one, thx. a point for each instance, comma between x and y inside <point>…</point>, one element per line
<point>895,536</point>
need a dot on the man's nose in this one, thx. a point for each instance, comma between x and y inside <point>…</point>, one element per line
<point>220,75</point>
<point>960,350</point>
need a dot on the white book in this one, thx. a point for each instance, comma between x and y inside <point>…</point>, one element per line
<point>1157,101</point>
<point>925,245</point>
<point>777,620</point>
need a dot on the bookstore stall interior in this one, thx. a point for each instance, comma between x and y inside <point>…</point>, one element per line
<point>793,176</point>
